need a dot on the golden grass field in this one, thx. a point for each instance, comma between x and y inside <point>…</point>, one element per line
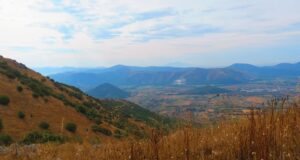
<point>271,134</point>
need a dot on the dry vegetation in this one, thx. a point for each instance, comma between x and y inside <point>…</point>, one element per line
<point>271,134</point>
<point>28,99</point>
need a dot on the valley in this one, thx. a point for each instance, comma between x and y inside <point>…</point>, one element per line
<point>211,107</point>
<point>200,95</point>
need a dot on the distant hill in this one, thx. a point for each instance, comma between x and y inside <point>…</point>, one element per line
<point>126,75</point>
<point>31,104</point>
<point>206,90</point>
<point>55,70</point>
<point>140,76</point>
<point>107,90</point>
<point>283,70</point>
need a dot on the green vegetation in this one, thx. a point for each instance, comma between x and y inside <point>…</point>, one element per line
<point>19,88</point>
<point>8,71</point>
<point>1,124</point>
<point>21,115</point>
<point>37,87</point>
<point>71,127</point>
<point>99,129</point>
<point>42,137</point>
<point>44,125</point>
<point>118,134</point>
<point>4,100</point>
<point>5,140</point>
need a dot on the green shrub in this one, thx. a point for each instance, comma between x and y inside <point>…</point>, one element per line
<point>71,127</point>
<point>4,100</point>
<point>1,124</point>
<point>19,88</point>
<point>36,86</point>
<point>21,115</point>
<point>99,129</point>
<point>44,137</point>
<point>76,95</point>
<point>44,125</point>
<point>34,95</point>
<point>98,120</point>
<point>118,134</point>
<point>5,140</point>
<point>81,109</point>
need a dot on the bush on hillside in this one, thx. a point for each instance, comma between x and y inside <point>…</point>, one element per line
<point>34,95</point>
<point>1,124</point>
<point>21,115</point>
<point>96,128</point>
<point>71,127</point>
<point>19,88</point>
<point>36,86</point>
<point>44,137</point>
<point>4,100</point>
<point>81,109</point>
<point>5,140</point>
<point>118,134</point>
<point>44,125</point>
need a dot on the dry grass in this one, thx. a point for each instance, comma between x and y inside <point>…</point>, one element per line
<point>271,134</point>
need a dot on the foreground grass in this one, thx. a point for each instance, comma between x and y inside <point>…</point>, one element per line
<point>271,134</point>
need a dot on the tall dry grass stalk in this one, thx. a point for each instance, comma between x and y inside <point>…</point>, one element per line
<point>269,134</point>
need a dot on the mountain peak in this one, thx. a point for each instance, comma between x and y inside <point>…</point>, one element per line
<point>107,90</point>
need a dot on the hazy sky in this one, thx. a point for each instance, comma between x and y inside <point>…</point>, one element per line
<point>150,32</point>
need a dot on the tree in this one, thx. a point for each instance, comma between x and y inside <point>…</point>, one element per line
<point>4,100</point>
<point>20,88</point>
<point>1,124</point>
<point>21,115</point>
<point>71,127</point>
<point>5,139</point>
<point>44,125</point>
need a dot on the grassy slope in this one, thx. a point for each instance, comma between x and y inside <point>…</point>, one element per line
<point>269,134</point>
<point>56,103</point>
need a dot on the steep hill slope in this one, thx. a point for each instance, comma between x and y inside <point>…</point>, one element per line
<point>27,99</point>
<point>107,90</point>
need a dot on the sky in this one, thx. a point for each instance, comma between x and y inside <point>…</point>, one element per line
<point>204,33</point>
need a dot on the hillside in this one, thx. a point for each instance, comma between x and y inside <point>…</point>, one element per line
<point>27,99</point>
<point>107,90</point>
<point>272,134</point>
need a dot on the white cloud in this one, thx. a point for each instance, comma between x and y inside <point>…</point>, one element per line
<point>144,32</point>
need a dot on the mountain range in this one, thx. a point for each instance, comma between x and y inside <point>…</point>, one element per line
<point>138,76</point>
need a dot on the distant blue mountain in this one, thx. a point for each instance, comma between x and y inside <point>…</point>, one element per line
<point>107,90</point>
<point>128,75</point>
<point>131,75</point>
<point>55,70</point>
<point>283,70</point>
